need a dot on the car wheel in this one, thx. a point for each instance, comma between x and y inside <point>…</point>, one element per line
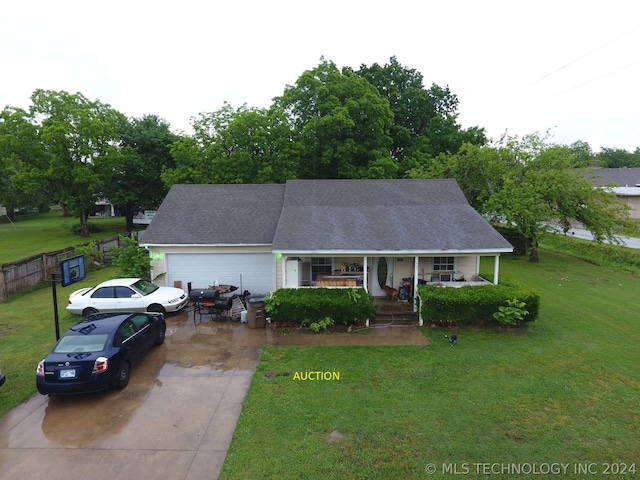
<point>123,375</point>
<point>161,334</point>
<point>89,311</point>
<point>156,308</point>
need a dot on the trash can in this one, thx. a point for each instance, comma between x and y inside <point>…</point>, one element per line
<point>256,317</point>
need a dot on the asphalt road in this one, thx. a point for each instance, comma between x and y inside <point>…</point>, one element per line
<point>630,242</point>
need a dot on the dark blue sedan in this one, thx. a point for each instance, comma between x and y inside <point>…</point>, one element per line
<point>98,352</point>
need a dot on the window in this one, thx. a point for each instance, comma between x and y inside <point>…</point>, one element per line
<point>124,292</point>
<point>125,331</point>
<point>140,321</point>
<point>321,266</point>
<point>144,287</point>
<point>104,292</point>
<point>443,264</point>
<point>81,343</point>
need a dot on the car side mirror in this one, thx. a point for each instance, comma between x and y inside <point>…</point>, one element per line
<point>136,295</point>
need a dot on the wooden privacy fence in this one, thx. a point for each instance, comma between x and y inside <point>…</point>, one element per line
<point>27,273</point>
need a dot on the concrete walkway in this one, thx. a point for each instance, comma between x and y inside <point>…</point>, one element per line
<point>175,419</point>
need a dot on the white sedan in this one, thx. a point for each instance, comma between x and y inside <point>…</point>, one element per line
<point>126,295</point>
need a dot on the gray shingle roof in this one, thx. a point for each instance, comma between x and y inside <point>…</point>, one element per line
<point>621,177</point>
<point>216,215</point>
<point>326,216</point>
<point>381,216</point>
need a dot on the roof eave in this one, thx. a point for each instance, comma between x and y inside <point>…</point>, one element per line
<point>208,245</point>
<point>397,253</point>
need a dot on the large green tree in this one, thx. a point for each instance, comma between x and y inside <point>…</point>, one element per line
<point>618,158</point>
<point>244,145</point>
<point>342,123</point>
<point>132,175</point>
<point>256,147</point>
<point>531,186</point>
<point>425,121</point>
<point>20,148</point>
<point>78,134</point>
<point>581,154</point>
<point>479,171</point>
<point>543,192</point>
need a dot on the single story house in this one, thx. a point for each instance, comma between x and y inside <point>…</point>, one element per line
<point>307,233</point>
<point>625,183</point>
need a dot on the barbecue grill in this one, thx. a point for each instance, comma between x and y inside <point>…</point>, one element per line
<point>210,302</point>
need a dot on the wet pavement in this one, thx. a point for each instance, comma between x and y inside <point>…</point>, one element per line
<point>174,420</point>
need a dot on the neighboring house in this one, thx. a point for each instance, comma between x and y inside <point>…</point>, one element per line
<point>625,182</point>
<point>143,217</point>
<point>103,208</point>
<point>366,233</point>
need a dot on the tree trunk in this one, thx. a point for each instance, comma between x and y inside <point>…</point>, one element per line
<point>84,230</point>
<point>532,248</point>
<point>128,215</point>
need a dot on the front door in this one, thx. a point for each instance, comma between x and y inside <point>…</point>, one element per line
<point>381,275</point>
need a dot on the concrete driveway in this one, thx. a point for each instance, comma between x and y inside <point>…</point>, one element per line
<point>175,419</point>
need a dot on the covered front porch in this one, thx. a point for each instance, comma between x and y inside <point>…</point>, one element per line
<point>401,275</point>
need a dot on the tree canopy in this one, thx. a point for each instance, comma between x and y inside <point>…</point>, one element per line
<point>378,121</point>
<point>20,149</point>
<point>78,134</point>
<point>618,158</point>
<point>531,186</point>
<point>132,178</point>
<point>424,120</point>
<point>342,123</point>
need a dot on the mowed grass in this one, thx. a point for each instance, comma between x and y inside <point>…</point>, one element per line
<point>27,334</point>
<point>565,389</point>
<point>34,234</point>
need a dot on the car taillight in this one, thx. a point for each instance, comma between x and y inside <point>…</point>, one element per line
<point>40,369</point>
<point>101,365</point>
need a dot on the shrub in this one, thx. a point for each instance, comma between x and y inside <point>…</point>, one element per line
<point>92,227</point>
<point>476,304</point>
<point>93,257</point>
<point>321,325</point>
<point>511,314</point>
<point>302,306</point>
<point>131,259</point>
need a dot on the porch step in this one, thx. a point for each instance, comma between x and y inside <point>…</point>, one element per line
<point>397,318</point>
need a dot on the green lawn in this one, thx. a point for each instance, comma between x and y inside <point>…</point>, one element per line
<point>33,234</point>
<point>565,389</point>
<point>27,327</point>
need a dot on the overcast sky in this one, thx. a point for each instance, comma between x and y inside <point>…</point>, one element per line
<point>571,67</point>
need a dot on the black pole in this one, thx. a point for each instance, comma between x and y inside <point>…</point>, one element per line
<point>55,305</point>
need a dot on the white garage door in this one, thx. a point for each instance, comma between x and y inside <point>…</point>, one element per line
<point>255,272</point>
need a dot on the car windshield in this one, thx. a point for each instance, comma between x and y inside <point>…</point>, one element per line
<point>144,287</point>
<point>81,343</point>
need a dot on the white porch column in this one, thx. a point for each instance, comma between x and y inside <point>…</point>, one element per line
<point>416,262</point>
<point>283,266</point>
<point>365,280</point>
<point>365,276</point>
<point>496,268</point>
